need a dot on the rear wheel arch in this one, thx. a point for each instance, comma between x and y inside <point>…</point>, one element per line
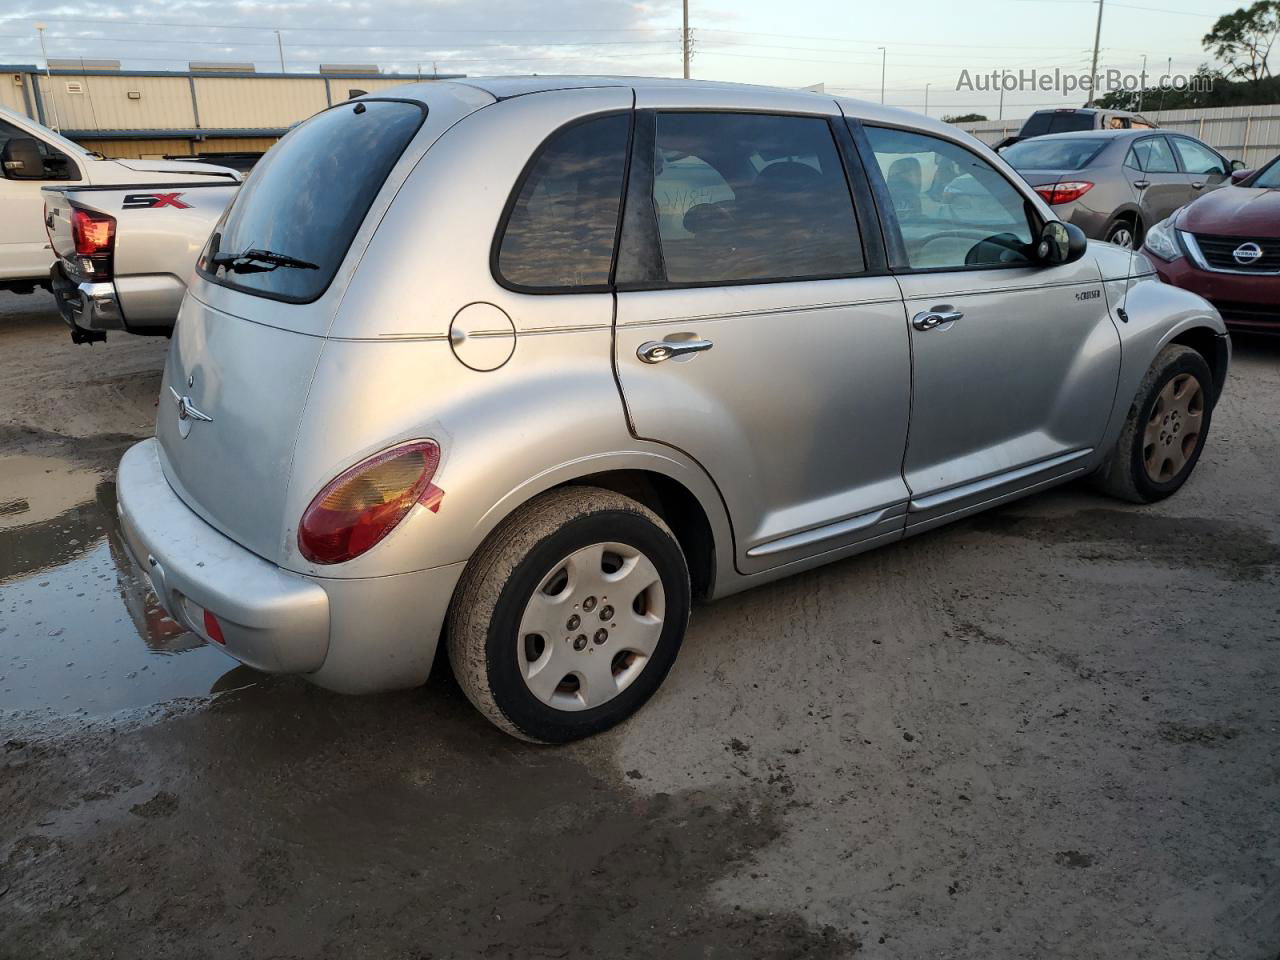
<point>1131,216</point>
<point>702,530</point>
<point>677,505</point>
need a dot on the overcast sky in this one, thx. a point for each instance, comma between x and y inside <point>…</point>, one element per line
<point>793,43</point>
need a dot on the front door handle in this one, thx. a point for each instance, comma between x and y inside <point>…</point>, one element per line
<point>1141,184</point>
<point>1197,185</point>
<point>655,351</point>
<point>928,319</point>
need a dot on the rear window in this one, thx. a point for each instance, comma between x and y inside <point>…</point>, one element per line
<point>305,200</point>
<point>1069,154</point>
<point>1054,122</point>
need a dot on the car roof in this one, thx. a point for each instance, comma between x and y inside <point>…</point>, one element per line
<point>1103,134</point>
<point>505,88</point>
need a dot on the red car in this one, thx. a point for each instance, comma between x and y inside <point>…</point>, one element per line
<point>1225,246</point>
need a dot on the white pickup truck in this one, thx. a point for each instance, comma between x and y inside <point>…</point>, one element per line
<point>107,274</point>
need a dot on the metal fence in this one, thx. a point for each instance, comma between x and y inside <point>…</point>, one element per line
<point>1251,134</point>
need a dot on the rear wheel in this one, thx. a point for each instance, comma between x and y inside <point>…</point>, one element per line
<point>570,615</point>
<point>1165,431</point>
<point>1124,233</point>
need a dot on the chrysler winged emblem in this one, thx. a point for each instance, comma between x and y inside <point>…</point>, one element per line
<point>187,412</point>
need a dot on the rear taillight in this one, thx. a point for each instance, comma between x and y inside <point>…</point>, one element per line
<point>94,236</point>
<point>1064,192</point>
<point>365,503</point>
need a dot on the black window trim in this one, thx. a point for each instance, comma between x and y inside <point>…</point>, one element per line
<point>285,298</point>
<point>495,246</point>
<point>899,263</point>
<point>872,253</point>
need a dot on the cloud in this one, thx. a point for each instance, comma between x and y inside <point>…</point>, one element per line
<point>502,36</point>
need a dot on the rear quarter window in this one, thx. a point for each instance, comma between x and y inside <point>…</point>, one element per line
<point>307,197</point>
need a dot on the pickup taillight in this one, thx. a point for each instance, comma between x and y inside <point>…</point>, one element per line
<point>94,236</point>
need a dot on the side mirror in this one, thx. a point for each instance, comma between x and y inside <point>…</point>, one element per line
<point>22,159</point>
<point>1240,175</point>
<point>1237,165</point>
<point>1060,243</point>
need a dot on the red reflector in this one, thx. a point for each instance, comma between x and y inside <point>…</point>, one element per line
<point>92,232</point>
<point>364,504</point>
<point>213,628</point>
<point>1064,192</point>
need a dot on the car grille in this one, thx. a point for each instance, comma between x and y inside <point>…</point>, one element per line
<point>1219,253</point>
<point>1251,314</point>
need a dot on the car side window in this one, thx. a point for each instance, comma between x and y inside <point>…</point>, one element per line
<point>1197,158</point>
<point>1131,159</point>
<point>1154,155</point>
<point>560,231</point>
<point>952,207</point>
<point>747,197</point>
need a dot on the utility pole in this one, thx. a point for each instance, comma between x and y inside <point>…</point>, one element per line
<point>684,40</point>
<point>1000,115</point>
<point>1093,68</point>
<point>884,54</point>
<point>280,48</point>
<point>926,98</point>
<point>1143,81</point>
<point>53,101</point>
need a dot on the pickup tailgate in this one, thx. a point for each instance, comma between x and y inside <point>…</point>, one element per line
<point>159,230</point>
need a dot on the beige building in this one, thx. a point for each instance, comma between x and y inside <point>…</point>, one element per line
<point>208,109</point>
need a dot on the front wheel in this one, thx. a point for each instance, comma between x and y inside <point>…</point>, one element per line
<point>1165,431</point>
<point>570,615</point>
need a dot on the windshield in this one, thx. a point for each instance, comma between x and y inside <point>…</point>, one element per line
<point>1269,178</point>
<point>1070,154</point>
<point>290,225</point>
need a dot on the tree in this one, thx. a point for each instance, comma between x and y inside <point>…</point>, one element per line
<point>1243,40</point>
<point>964,118</point>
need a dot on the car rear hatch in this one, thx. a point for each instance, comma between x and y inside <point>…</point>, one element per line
<point>253,325</point>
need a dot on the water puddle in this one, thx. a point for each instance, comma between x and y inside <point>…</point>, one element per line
<point>80,632</point>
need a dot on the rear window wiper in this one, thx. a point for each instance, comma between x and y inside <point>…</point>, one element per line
<point>255,260</point>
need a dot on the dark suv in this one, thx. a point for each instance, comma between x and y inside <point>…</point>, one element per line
<point>1075,120</point>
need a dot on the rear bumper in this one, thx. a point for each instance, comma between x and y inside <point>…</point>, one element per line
<point>1247,303</point>
<point>86,306</point>
<point>354,636</point>
<point>270,619</point>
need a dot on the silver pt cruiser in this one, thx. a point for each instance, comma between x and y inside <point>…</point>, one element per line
<point>525,365</point>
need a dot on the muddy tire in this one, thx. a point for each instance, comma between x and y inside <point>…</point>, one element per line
<point>570,614</point>
<point>1165,430</point>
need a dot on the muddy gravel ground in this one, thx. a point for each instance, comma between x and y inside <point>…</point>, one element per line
<point>1050,731</point>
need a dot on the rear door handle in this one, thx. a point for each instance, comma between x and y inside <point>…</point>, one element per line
<point>1197,185</point>
<point>655,351</point>
<point>928,319</point>
<point>1141,184</point>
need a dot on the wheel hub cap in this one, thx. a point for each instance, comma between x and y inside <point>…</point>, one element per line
<point>1173,430</point>
<point>591,626</point>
